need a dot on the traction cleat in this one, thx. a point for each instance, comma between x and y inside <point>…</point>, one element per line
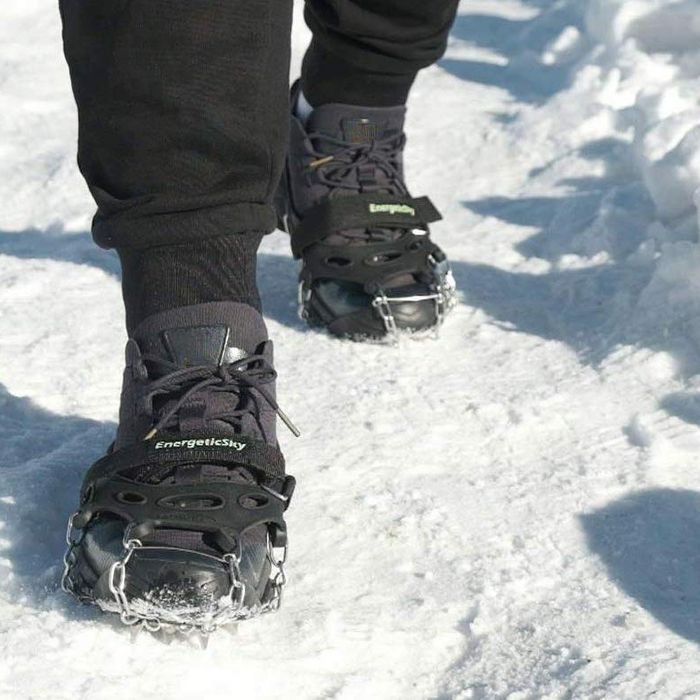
<point>181,525</point>
<point>369,266</point>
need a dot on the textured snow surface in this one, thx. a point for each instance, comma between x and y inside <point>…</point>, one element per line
<point>511,512</point>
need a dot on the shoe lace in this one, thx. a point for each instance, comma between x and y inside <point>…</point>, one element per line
<point>355,166</point>
<point>346,166</point>
<point>245,378</point>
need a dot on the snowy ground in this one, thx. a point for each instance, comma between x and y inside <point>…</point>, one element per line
<point>511,512</point>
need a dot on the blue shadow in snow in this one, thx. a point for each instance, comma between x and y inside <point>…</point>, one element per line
<point>606,215</point>
<point>519,42</point>
<point>277,274</point>
<point>43,457</point>
<point>685,405</point>
<point>77,248</point>
<point>650,545</point>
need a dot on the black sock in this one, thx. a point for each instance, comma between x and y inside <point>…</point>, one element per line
<point>200,271</point>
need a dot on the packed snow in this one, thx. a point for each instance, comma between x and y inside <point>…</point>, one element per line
<point>509,512</point>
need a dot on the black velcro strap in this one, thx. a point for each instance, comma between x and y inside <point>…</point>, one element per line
<point>189,450</point>
<point>361,211</point>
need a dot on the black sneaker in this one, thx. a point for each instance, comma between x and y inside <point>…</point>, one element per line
<point>181,523</point>
<point>369,265</point>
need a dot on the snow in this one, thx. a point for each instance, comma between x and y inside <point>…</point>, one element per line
<point>510,512</point>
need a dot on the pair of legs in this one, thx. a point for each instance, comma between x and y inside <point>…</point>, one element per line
<point>188,146</point>
<point>184,121</point>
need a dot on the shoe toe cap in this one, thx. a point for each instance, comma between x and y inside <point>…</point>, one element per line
<point>414,315</point>
<point>165,576</point>
<point>346,311</point>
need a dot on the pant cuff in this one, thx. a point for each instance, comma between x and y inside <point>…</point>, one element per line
<point>327,78</point>
<point>148,231</point>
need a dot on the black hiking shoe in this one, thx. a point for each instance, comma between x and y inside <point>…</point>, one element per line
<point>181,523</point>
<point>369,265</point>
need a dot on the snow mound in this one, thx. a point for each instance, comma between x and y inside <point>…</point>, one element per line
<point>654,46</point>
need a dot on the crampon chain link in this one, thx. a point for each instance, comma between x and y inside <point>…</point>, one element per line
<point>173,620</point>
<point>443,295</point>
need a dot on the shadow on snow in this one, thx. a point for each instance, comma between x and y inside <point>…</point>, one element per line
<point>648,542</point>
<point>43,457</point>
<point>519,44</point>
<point>277,274</point>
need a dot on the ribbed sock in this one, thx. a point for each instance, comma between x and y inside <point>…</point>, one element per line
<point>204,270</point>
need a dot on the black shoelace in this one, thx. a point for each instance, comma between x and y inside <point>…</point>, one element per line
<point>240,378</point>
<point>360,167</point>
<point>356,166</point>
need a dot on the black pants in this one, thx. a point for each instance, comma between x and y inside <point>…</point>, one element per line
<point>183,104</point>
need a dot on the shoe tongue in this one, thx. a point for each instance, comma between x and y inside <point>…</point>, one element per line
<point>360,125</point>
<point>205,334</point>
<point>190,347</point>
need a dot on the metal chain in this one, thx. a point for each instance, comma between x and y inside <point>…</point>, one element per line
<point>280,578</point>
<point>444,297</point>
<point>237,591</point>
<point>118,577</point>
<point>68,561</point>
<point>304,296</point>
<point>381,304</point>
